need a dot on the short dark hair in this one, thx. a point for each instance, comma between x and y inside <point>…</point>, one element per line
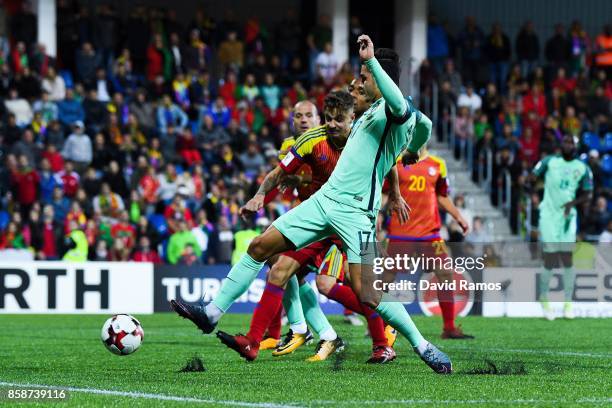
<point>339,100</point>
<point>389,61</point>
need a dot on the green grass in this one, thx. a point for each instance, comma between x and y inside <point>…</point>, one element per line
<point>561,363</point>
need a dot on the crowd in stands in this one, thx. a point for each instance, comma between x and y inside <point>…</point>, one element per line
<point>144,146</point>
<point>516,99</point>
<point>143,138</point>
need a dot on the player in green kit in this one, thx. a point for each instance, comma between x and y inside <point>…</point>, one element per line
<point>348,204</point>
<point>564,176</point>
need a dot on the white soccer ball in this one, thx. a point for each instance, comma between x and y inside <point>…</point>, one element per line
<point>122,334</point>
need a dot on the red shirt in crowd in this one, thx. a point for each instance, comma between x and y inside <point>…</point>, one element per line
<point>126,231</point>
<point>149,256</point>
<point>171,214</point>
<point>535,102</point>
<point>55,160</point>
<point>530,149</point>
<point>49,247</point>
<point>69,181</point>
<point>27,186</point>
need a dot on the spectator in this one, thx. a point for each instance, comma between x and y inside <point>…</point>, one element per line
<point>271,93</point>
<point>170,117</point>
<point>452,76</point>
<point>68,179</point>
<point>115,179</point>
<point>179,243</point>
<point>26,181</point>
<point>144,112</point>
<point>48,182</point>
<point>12,237</point>
<point>27,84</point>
<point>87,62</point>
<point>187,149</point>
<point>19,107</point>
<point>54,85</point>
<point>19,58</point>
<point>219,113</point>
<point>75,215</point>
<point>322,32</point>
<point>231,53</point>
<point>144,253</point>
<point>107,203</point>
<point>47,108</point>
<point>195,52</point>
<point>60,204</point>
<point>580,43</point>
<point>478,233</point>
<point>498,52</point>
<point>535,101</point>
<point>527,46</point>
<point>70,110</point>
<point>598,217</point>
<point>327,64</point>
<point>77,245</point>
<point>289,37</point>
<point>78,148</point>
<point>437,43</point>
<point>249,89</point>
<point>529,147</point>
<point>558,48</point>
<point>464,130</point>
<point>252,160</point>
<point>603,50</point>
<point>159,60</point>
<point>27,147</point>
<point>469,99</point>
<point>471,41</point>
<point>50,236</point>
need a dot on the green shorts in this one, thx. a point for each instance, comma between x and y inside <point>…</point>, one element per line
<point>320,217</point>
<point>557,232</point>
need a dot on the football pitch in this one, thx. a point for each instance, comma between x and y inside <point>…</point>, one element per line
<point>527,362</point>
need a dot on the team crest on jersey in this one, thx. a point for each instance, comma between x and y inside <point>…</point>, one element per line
<point>323,157</point>
<point>432,171</point>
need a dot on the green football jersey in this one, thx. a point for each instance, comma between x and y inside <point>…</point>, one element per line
<point>377,139</point>
<point>562,179</point>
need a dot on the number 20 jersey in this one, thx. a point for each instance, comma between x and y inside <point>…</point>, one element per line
<point>420,185</point>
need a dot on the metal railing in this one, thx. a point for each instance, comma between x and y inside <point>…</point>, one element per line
<point>485,162</point>
<point>504,192</point>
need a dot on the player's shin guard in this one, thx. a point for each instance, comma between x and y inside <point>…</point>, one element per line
<point>569,280</point>
<point>314,315</point>
<point>293,306</point>
<point>347,297</point>
<point>447,306</point>
<point>396,315</point>
<point>266,310</point>
<point>237,282</point>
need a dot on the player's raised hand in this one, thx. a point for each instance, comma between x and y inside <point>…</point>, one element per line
<point>398,205</point>
<point>366,47</point>
<point>252,206</point>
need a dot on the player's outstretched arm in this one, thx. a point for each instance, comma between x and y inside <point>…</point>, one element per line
<point>272,180</point>
<point>390,91</point>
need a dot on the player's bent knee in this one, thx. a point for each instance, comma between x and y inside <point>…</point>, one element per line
<point>325,284</point>
<point>258,249</point>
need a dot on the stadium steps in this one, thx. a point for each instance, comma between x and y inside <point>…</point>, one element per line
<point>476,198</point>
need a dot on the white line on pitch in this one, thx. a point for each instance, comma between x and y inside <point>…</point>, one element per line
<point>144,395</point>
<point>465,402</point>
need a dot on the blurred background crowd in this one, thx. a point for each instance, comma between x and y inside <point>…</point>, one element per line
<point>145,135</point>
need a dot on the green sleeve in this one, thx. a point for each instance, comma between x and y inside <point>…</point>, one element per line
<point>390,91</point>
<point>173,250</point>
<point>422,132</point>
<point>540,168</point>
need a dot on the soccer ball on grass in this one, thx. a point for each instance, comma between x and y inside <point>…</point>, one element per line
<point>122,334</point>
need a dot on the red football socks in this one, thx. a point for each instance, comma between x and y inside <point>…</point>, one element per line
<point>346,296</point>
<point>447,306</point>
<point>266,310</point>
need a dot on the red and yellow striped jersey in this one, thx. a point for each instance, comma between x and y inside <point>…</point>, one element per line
<point>420,185</point>
<point>314,149</point>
